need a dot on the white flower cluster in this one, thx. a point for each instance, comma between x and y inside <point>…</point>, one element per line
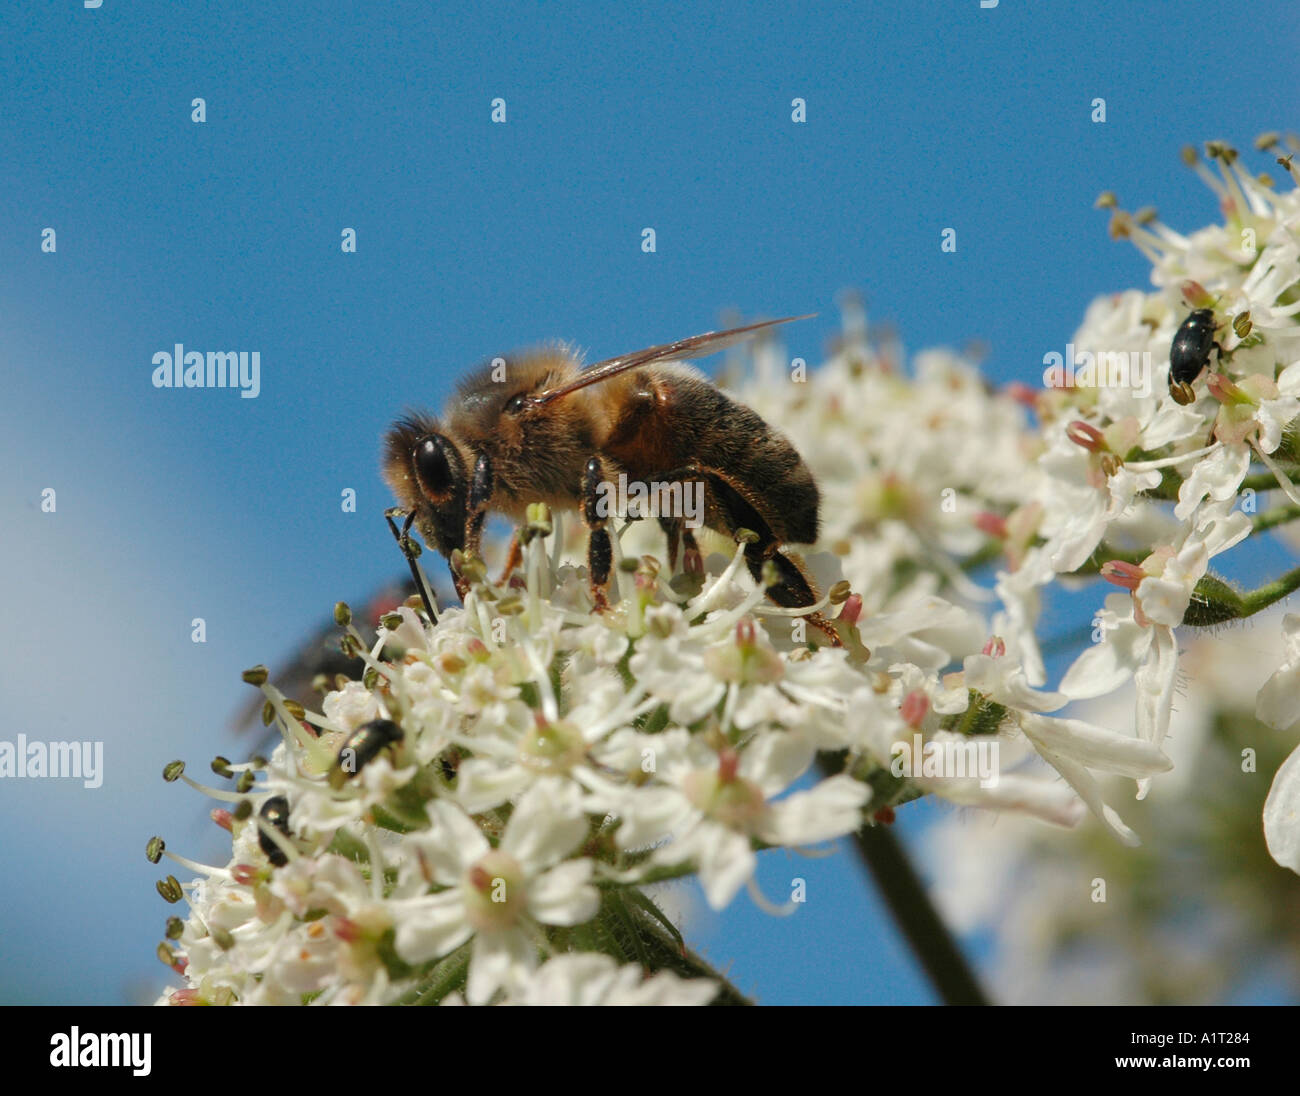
<point>1149,472</point>
<point>1198,916</point>
<point>504,783</point>
<point>478,817</point>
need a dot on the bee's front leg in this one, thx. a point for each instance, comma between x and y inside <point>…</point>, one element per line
<point>405,544</point>
<point>600,551</point>
<point>514,557</point>
<point>480,494</point>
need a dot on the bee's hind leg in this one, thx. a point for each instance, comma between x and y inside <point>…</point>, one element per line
<point>600,550</point>
<point>792,588</point>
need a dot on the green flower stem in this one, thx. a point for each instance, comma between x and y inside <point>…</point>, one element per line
<point>664,953</point>
<point>1214,602</point>
<point>446,975</point>
<point>632,929</point>
<point>1273,518</point>
<point>1270,592</point>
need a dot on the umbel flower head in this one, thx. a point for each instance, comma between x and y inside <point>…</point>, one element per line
<point>478,816</point>
<point>501,786</point>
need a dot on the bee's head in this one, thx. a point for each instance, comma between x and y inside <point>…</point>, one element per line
<point>430,476</point>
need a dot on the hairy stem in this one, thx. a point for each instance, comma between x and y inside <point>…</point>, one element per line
<point>1270,592</point>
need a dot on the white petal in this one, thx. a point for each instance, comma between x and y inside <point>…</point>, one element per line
<point>501,960</point>
<point>1282,814</point>
<point>564,895</point>
<point>1218,475</point>
<point>430,926</point>
<point>775,761</point>
<point>452,843</point>
<point>1094,746</point>
<point>649,814</point>
<point>831,809</point>
<point>1053,801</point>
<point>1005,682</point>
<point>1155,693</point>
<point>482,784</point>
<point>1278,703</point>
<point>1105,666</point>
<point>547,825</point>
<point>724,858</point>
<point>1082,782</point>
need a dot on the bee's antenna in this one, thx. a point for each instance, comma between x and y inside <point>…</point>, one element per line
<point>403,542</point>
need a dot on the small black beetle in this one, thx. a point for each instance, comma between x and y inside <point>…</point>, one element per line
<point>1190,353</point>
<point>362,746</point>
<point>275,812</point>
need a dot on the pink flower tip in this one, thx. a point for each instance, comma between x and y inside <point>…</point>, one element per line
<point>995,525</point>
<point>1223,389</point>
<point>915,707</point>
<point>745,634</point>
<point>1086,435</point>
<point>851,609</point>
<point>995,647</point>
<point>1023,394</point>
<point>728,765</point>
<point>1122,573</point>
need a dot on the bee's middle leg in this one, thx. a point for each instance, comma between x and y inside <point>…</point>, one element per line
<point>480,494</point>
<point>677,530</point>
<point>600,550</point>
<point>672,527</point>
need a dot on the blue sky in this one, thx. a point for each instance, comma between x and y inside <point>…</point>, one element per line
<point>474,239</point>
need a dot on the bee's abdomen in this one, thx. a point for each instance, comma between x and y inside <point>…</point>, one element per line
<point>674,419</point>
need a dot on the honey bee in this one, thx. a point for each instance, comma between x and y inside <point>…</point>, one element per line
<point>538,427</point>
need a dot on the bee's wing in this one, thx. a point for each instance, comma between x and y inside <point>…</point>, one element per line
<point>697,346</point>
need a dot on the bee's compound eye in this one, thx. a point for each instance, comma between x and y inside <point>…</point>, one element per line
<point>432,465</point>
<point>516,404</point>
